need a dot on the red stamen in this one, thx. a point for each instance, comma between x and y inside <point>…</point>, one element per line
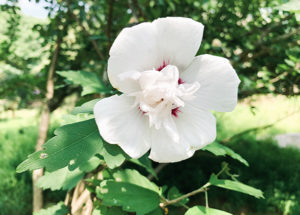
<point>175,111</point>
<point>162,66</point>
<point>143,112</point>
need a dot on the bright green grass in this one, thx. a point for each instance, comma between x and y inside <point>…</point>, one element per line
<point>267,110</point>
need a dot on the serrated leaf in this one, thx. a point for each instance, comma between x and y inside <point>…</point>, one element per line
<point>87,107</point>
<point>221,150</point>
<point>113,155</point>
<point>90,82</point>
<point>174,193</point>
<point>58,209</point>
<point>134,177</point>
<point>64,178</point>
<point>235,186</point>
<point>73,145</point>
<point>145,162</point>
<point>131,197</point>
<point>201,210</point>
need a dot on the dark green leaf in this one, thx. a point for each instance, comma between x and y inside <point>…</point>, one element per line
<point>113,155</point>
<point>102,210</point>
<point>145,162</point>
<point>58,209</point>
<point>131,197</point>
<point>221,150</point>
<point>200,210</point>
<point>174,193</point>
<point>73,145</point>
<point>134,177</point>
<point>235,186</point>
<point>90,82</point>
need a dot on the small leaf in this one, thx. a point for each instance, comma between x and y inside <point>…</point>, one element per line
<point>134,177</point>
<point>87,107</point>
<point>131,197</point>
<point>221,150</point>
<point>73,145</point>
<point>235,186</point>
<point>113,155</point>
<point>90,82</point>
<point>58,209</point>
<point>201,210</point>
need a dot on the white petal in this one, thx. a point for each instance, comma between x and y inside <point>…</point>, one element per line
<point>165,150</point>
<point>218,83</point>
<point>120,122</point>
<point>178,40</point>
<point>134,50</point>
<point>196,127</point>
<point>148,46</point>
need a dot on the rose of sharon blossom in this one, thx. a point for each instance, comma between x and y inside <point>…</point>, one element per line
<point>167,91</point>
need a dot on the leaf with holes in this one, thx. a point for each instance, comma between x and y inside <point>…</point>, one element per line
<point>73,145</point>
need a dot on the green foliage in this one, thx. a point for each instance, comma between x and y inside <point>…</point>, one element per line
<point>292,6</point>
<point>108,211</point>
<point>66,179</point>
<point>73,145</point>
<point>200,210</point>
<point>221,150</point>
<point>87,107</point>
<point>132,197</point>
<point>90,82</point>
<point>58,209</point>
<point>174,193</point>
<point>235,186</point>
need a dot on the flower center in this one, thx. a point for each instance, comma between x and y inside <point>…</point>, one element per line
<point>163,93</point>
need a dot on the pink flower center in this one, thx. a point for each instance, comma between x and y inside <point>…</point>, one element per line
<point>175,111</point>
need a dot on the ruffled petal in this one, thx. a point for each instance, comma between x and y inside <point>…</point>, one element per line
<point>120,122</point>
<point>134,50</point>
<point>165,150</point>
<point>147,46</point>
<point>196,127</point>
<point>179,39</point>
<point>218,83</point>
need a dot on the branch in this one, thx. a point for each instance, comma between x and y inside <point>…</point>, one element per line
<point>109,23</point>
<point>157,170</point>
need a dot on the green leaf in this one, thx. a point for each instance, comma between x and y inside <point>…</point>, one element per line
<point>87,107</point>
<point>157,211</point>
<point>235,186</point>
<point>174,193</point>
<point>201,210</point>
<point>58,209</point>
<point>145,162</point>
<point>66,179</point>
<point>134,177</point>
<point>113,155</point>
<point>131,197</point>
<point>102,210</point>
<point>90,82</point>
<point>73,145</point>
<point>221,150</point>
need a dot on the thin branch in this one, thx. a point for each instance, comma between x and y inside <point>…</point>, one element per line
<point>159,168</point>
<point>109,23</point>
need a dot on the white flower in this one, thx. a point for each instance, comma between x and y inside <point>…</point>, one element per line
<point>167,91</point>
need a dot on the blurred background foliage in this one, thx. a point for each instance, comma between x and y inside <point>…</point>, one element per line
<point>261,38</point>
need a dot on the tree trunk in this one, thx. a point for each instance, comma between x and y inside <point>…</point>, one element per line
<point>43,128</point>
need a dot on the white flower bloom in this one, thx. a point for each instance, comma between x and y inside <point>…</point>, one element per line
<point>167,91</point>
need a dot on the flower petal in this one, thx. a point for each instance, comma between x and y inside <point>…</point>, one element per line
<point>147,46</point>
<point>164,149</point>
<point>134,50</point>
<point>179,39</point>
<point>196,127</point>
<point>120,122</point>
<point>218,83</point>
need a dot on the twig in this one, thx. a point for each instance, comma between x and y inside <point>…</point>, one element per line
<point>109,23</point>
